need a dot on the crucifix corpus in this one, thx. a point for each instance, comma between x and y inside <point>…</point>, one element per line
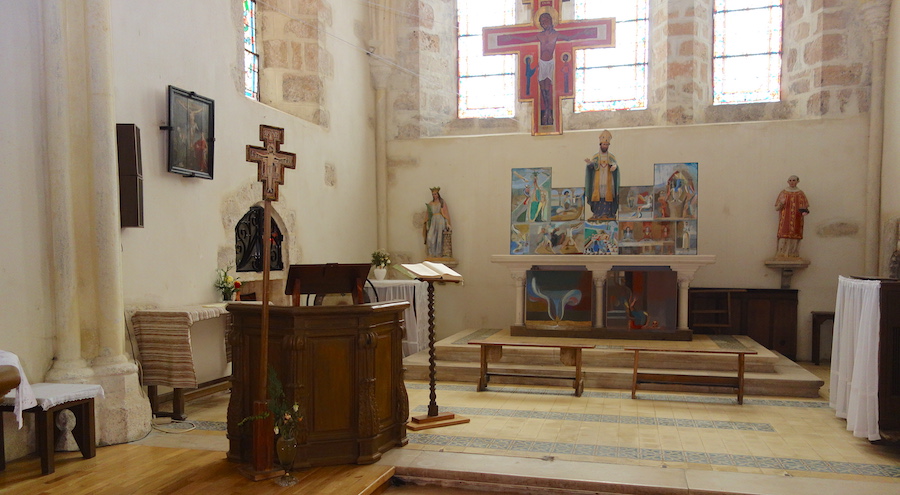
<point>546,62</point>
<point>271,162</point>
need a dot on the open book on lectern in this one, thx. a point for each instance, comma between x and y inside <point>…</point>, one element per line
<point>429,270</point>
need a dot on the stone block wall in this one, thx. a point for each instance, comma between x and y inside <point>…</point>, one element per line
<point>295,65</point>
<point>826,67</point>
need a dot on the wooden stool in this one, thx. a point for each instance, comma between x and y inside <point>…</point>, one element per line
<point>53,398</point>
<point>818,319</point>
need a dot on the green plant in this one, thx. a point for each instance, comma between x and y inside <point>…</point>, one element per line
<point>287,415</point>
<point>381,258</point>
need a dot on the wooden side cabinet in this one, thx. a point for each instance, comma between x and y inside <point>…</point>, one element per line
<point>889,362</point>
<point>768,316</point>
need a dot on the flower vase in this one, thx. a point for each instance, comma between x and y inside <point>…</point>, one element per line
<point>380,272</point>
<point>286,450</point>
<point>226,296</point>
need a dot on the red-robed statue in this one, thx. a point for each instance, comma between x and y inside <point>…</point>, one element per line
<point>791,206</point>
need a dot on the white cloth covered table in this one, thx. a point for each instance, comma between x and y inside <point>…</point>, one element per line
<point>854,356</point>
<point>23,396</point>
<point>49,395</point>
<point>416,315</point>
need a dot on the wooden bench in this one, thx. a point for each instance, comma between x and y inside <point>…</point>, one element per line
<point>569,355</point>
<point>734,382</point>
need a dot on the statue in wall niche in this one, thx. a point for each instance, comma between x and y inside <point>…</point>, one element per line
<point>437,229</point>
<point>791,206</point>
<point>601,182</point>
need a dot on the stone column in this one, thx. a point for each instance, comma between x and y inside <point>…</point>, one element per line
<point>69,364</point>
<point>876,14</point>
<point>599,300</point>
<point>382,52</point>
<point>380,75</point>
<point>124,415</point>
<point>519,277</point>
<point>684,284</point>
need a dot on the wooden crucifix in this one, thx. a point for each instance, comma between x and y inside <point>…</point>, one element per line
<point>546,57</point>
<point>271,162</point>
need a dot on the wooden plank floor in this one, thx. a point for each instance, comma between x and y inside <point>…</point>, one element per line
<point>140,469</point>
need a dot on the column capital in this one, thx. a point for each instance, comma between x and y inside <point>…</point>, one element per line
<point>877,14</point>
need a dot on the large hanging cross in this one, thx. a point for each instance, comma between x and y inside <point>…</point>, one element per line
<point>271,160</point>
<point>546,57</point>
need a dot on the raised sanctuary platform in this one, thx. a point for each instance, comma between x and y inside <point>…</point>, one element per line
<point>608,365</point>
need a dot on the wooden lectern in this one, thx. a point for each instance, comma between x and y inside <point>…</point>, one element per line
<point>329,278</point>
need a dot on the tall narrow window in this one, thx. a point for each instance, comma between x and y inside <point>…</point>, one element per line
<point>614,78</point>
<point>487,85</point>
<point>251,56</point>
<point>746,51</point>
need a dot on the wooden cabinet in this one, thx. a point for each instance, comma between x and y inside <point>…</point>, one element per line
<point>889,361</point>
<point>342,364</point>
<point>768,316</point>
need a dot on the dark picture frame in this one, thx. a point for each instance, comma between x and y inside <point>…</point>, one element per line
<point>191,133</point>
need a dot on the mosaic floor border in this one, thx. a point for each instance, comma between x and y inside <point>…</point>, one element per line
<point>499,446</point>
<point>705,399</point>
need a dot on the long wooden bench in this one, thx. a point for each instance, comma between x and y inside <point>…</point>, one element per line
<point>736,383</point>
<point>569,355</point>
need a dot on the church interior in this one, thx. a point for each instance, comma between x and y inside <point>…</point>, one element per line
<point>342,137</point>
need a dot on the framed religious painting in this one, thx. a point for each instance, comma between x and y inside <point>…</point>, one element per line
<point>191,133</point>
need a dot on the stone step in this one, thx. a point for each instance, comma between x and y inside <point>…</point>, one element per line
<point>608,366</point>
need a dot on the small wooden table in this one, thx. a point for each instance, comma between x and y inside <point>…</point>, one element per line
<point>51,399</point>
<point>569,354</point>
<point>818,319</point>
<point>734,382</point>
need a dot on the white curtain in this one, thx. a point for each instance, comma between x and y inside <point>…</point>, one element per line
<point>854,356</point>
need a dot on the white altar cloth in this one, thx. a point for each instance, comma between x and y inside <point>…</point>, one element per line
<point>416,315</point>
<point>854,356</point>
<point>23,395</point>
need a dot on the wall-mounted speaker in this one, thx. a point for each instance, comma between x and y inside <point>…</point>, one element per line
<point>131,180</point>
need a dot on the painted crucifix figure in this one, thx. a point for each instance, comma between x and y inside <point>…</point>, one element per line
<point>552,46</point>
<point>271,160</point>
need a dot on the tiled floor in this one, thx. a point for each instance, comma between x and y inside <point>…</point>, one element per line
<point>692,432</point>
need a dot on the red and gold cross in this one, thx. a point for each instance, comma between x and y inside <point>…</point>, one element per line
<point>271,160</point>
<point>546,57</point>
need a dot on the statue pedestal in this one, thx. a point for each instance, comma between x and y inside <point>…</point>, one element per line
<point>787,267</point>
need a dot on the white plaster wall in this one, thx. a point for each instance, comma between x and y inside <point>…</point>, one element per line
<point>25,296</point>
<point>26,318</point>
<point>742,168</point>
<point>188,222</point>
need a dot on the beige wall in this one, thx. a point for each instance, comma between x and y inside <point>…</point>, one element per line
<point>742,168</point>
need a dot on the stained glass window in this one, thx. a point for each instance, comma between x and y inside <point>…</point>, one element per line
<point>746,51</point>
<point>487,85</point>
<point>614,78</point>
<point>251,56</point>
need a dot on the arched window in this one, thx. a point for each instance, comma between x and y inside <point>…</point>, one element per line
<point>614,78</point>
<point>251,54</point>
<point>487,85</point>
<point>746,51</point>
